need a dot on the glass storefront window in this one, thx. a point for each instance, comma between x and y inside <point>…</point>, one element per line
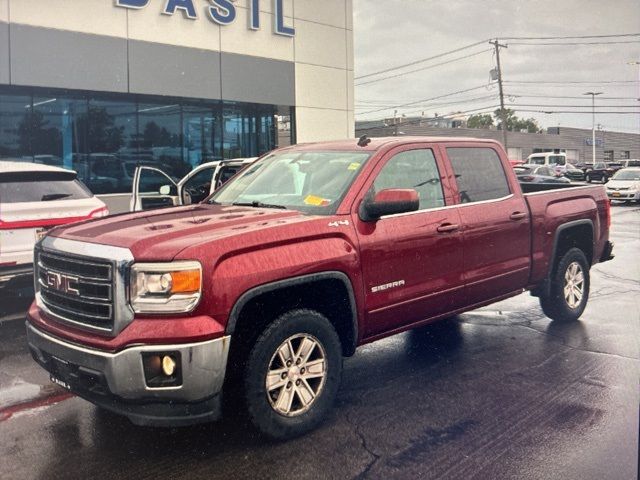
<point>104,137</point>
<point>15,139</point>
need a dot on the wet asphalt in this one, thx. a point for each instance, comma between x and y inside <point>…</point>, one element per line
<point>497,393</point>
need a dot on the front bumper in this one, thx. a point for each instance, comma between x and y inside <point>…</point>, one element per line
<point>22,273</point>
<point>625,195</point>
<point>116,381</point>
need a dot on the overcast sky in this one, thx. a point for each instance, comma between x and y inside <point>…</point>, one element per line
<point>395,32</point>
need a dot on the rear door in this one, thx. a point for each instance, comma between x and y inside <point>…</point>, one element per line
<point>411,262</point>
<point>495,223</point>
<point>152,188</point>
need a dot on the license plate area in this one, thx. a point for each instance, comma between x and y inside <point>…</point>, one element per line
<point>60,383</point>
<point>615,194</point>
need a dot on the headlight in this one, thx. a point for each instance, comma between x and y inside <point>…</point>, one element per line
<point>165,287</point>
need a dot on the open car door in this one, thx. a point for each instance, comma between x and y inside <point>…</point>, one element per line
<point>152,188</point>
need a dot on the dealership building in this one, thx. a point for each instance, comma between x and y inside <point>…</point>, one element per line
<point>103,85</point>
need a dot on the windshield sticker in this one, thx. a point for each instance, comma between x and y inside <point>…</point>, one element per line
<point>354,166</point>
<point>316,201</point>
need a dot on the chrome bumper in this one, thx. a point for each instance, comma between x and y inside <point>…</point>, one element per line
<point>203,367</point>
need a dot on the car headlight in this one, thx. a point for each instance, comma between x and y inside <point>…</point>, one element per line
<point>173,287</point>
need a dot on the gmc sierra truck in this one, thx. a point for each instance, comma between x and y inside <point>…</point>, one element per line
<point>256,294</point>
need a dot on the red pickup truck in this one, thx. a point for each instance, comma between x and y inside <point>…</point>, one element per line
<point>258,292</point>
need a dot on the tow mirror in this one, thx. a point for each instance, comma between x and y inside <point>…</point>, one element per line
<point>389,202</point>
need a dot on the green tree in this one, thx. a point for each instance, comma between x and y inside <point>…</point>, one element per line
<point>516,124</point>
<point>484,120</point>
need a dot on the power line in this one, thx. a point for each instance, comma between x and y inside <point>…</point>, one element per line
<point>573,106</point>
<point>421,69</point>
<point>445,104</point>
<point>422,60</point>
<point>581,97</point>
<point>617,35</point>
<point>485,109</point>
<point>572,82</point>
<point>573,43</point>
<point>576,112</point>
<point>426,99</point>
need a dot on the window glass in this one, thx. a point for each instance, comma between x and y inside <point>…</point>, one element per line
<point>536,161</point>
<point>608,155</point>
<point>152,180</point>
<point>111,140</point>
<point>15,138</point>
<point>55,126</point>
<point>415,169</point>
<point>202,134</point>
<point>160,133</point>
<point>199,185</point>
<point>557,159</point>
<point>41,187</point>
<point>479,174</point>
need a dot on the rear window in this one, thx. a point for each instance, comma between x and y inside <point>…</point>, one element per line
<point>41,187</point>
<point>479,174</point>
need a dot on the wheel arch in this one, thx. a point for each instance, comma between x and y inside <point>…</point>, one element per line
<point>309,291</point>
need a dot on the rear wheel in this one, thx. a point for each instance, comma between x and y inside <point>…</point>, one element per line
<point>569,290</point>
<point>293,374</point>
<point>587,178</point>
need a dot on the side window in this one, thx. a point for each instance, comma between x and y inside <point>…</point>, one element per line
<point>416,169</point>
<point>199,185</point>
<point>479,174</point>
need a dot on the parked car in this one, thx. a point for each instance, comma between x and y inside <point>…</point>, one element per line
<point>311,251</point>
<point>632,162</point>
<point>585,166</point>
<point>573,173</point>
<point>557,161</point>
<point>33,199</point>
<point>538,174</point>
<point>601,172</point>
<point>153,188</point>
<point>624,185</point>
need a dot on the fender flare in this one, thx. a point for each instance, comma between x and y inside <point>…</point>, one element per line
<point>552,259</point>
<point>254,292</point>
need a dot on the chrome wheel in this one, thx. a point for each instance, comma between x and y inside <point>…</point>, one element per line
<point>573,285</point>
<point>296,374</point>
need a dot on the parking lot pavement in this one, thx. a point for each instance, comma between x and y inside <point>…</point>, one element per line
<point>500,392</point>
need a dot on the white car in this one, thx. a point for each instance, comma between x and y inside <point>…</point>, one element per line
<point>625,185</point>
<point>34,198</point>
<point>153,188</point>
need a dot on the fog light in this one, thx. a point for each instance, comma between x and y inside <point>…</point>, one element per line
<point>168,365</point>
<point>162,369</point>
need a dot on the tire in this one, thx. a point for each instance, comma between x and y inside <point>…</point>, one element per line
<point>587,178</point>
<point>567,307</point>
<point>280,412</point>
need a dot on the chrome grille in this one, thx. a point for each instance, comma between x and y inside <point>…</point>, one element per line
<point>76,289</point>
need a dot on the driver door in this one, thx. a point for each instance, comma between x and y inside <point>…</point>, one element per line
<point>198,184</point>
<point>152,188</point>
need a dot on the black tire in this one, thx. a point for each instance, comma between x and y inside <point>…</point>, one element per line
<point>587,178</point>
<point>554,304</point>
<point>263,354</point>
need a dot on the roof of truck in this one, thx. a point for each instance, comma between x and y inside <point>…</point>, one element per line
<point>378,142</point>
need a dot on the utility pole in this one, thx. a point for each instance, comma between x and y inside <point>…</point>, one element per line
<point>593,124</point>
<point>503,113</point>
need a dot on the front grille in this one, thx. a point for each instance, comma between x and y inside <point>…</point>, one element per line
<point>77,289</point>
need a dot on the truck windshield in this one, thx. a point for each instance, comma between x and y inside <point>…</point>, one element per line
<point>312,182</point>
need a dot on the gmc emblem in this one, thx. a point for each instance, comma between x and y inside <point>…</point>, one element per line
<point>62,283</point>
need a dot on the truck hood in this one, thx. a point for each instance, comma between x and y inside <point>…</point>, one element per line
<point>160,235</point>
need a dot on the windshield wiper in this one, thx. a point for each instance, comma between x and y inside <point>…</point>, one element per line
<point>54,196</point>
<point>257,204</point>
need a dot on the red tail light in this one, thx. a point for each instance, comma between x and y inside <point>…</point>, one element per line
<point>607,213</point>
<point>527,178</point>
<point>99,212</point>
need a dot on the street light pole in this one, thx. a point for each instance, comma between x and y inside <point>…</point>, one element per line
<point>593,124</point>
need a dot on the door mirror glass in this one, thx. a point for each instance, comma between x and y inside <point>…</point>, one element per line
<point>165,189</point>
<point>389,202</point>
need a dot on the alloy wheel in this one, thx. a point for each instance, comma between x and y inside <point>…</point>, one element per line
<point>573,285</point>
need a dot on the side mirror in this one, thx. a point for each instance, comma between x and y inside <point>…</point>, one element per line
<point>165,190</point>
<point>389,202</point>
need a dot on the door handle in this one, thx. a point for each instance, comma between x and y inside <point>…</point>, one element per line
<point>517,215</point>
<point>448,227</point>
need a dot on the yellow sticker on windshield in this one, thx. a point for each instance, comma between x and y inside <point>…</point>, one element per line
<point>353,166</point>
<point>316,201</point>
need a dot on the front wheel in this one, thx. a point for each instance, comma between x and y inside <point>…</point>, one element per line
<point>569,290</point>
<point>293,374</point>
